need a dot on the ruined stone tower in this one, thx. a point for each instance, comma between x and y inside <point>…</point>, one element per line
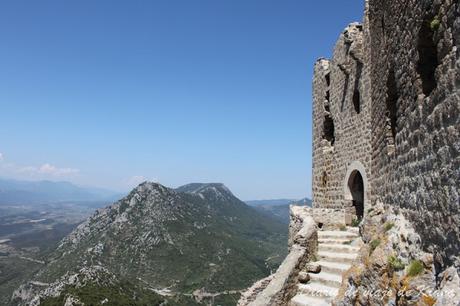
<point>342,130</point>
<point>387,119</point>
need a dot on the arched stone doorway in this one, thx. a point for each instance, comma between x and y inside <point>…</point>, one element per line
<point>356,187</point>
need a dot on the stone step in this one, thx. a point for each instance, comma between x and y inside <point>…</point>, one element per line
<point>306,300</point>
<point>335,240</point>
<point>318,289</point>
<point>326,278</point>
<point>353,229</point>
<point>333,267</point>
<point>340,248</point>
<point>336,234</point>
<point>337,257</point>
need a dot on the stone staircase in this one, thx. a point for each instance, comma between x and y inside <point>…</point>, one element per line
<point>320,281</point>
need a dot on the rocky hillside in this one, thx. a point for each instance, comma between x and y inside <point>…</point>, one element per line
<point>176,242</point>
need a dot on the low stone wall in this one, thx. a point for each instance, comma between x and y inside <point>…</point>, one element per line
<point>303,242</point>
<point>327,218</point>
<point>252,292</point>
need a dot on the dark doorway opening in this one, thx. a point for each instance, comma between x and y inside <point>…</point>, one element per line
<point>356,185</point>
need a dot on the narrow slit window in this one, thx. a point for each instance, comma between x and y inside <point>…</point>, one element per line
<point>391,106</point>
<point>428,58</point>
<point>356,93</point>
<point>328,129</point>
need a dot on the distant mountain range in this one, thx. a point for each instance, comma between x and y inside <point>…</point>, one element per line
<point>195,242</point>
<point>279,208</point>
<point>277,202</point>
<point>272,202</point>
<point>30,192</point>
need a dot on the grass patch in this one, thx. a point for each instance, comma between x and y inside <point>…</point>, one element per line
<point>415,268</point>
<point>435,23</point>
<point>388,226</point>
<point>395,263</point>
<point>343,228</point>
<point>355,222</point>
<point>347,242</point>
<point>373,245</point>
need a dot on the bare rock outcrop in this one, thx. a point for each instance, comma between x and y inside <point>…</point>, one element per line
<point>393,269</point>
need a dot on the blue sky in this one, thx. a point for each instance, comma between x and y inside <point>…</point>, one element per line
<point>109,93</point>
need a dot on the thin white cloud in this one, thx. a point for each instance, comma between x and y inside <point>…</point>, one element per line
<point>48,170</point>
<point>53,170</point>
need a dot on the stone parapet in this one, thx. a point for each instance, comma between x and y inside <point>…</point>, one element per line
<point>303,237</point>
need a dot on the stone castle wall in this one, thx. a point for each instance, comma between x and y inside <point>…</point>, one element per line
<point>415,71</point>
<point>404,138</point>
